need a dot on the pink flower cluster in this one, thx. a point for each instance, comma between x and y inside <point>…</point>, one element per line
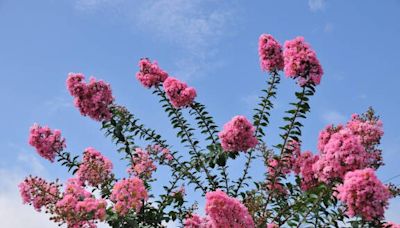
<point>165,152</point>
<point>325,136</point>
<point>93,99</point>
<point>370,131</point>
<point>225,211</point>
<point>38,192</point>
<point>195,221</point>
<point>272,225</point>
<point>222,211</point>
<point>304,166</point>
<point>142,164</point>
<point>270,53</point>
<point>178,93</point>
<point>364,194</point>
<point>78,207</point>
<point>128,194</point>
<point>150,74</point>
<point>95,169</point>
<point>301,62</point>
<point>391,225</point>
<point>46,141</point>
<point>238,135</point>
<point>343,152</point>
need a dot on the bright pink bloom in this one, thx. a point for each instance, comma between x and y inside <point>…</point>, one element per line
<point>178,93</point>
<point>128,194</point>
<point>364,194</point>
<point>272,225</point>
<point>301,62</point>
<point>78,207</point>
<point>270,53</point>
<point>150,74</point>
<point>195,221</point>
<point>370,131</point>
<point>142,164</point>
<point>325,135</point>
<point>39,193</point>
<point>238,135</point>
<point>48,143</point>
<point>92,99</point>
<point>343,152</point>
<point>225,211</point>
<point>95,168</point>
<point>304,166</point>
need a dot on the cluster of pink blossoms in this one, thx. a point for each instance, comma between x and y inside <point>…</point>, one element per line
<point>179,94</point>
<point>391,225</point>
<point>150,74</point>
<point>128,194</point>
<point>238,135</point>
<point>93,99</point>
<point>195,221</point>
<point>222,211</point>
<point>46,141</point>
<point>78,207</point>
<point>270,53</point>
<point>344,152</point>
<point>304,166</point>
<point>95,168</point>
<point>364,194</point>
<point>142,164</point>
<point>272,225</point>
<point>301,62</point>
<point>370,131</point>
<point>165,152</point>
<point>38,192</point>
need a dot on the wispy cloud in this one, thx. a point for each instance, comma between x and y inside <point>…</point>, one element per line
<point>192,27</point>
<point>333,117</point>
<point>316,5</point>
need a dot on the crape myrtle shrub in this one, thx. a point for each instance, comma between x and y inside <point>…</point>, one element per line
<point>335,186</point>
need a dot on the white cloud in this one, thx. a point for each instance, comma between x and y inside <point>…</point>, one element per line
<point>316,5</point>
<point>193,27</point>
<point>333,117</point>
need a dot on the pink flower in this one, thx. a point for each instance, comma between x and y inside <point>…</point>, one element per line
<point>343,152</point>
<point>78,207</point>
<point>304,166</point>
<point>92,99</point>
<point>150,74</point>
<point>272,225</point>
<point>178,93</point>
<point>48,143</point>
<point>142,164</point>
<point>238,135</point>
<point>95,168</point>
<point>128,194</point>
<point>325,135</point>
<point>224,211</point>
<point>370,131</point>
<point>195,221</point>
<point>39,193</point>
<point>270,53</point>
<point>364,194</point>
<point>301,62</point>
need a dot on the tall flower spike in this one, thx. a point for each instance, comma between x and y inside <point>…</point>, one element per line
<point>150,74</point>
<point>178,93</point>
<point>270,53</point>
<point>238,135</point>
<point>301,62</point>
<point>46,141</point>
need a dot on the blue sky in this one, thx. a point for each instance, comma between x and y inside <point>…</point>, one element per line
<point>210,44</point>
